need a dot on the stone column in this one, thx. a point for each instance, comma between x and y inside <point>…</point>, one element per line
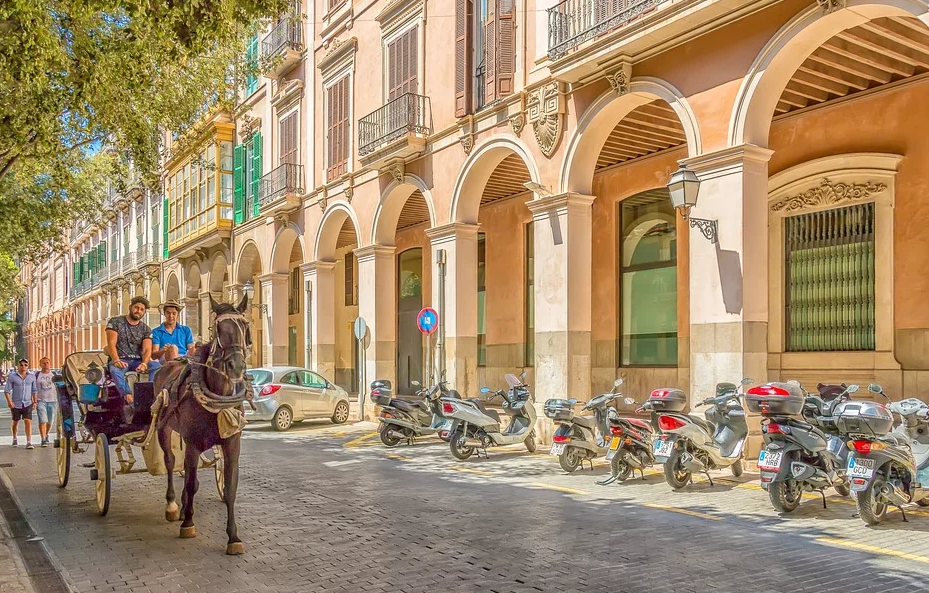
<point>307,296</point>
<point>192,317</point>
<point>459,241</point>
<point>322,317</point>
<point>377,305</point>
<point>274,289</point>
<point>562,242</point>
<point>729,279</point>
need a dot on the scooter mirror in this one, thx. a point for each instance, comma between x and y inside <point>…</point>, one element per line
<point>628,401</point>
<point>747,381</point>
<point>875,388</point>
<point>617,382</point>
<point>485,389</point>
<point>852,389</point>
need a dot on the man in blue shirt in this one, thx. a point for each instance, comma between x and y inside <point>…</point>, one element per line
<point>171,339</point>
<point>20,392</point>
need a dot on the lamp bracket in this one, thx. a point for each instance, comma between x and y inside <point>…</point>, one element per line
<point>709,228</point>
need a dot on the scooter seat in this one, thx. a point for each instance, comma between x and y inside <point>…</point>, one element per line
<point>638,423</point>
<point>704,424</point>
<point>406,406</point>
<point>895,440</point>
<point>480,406</point>
<point>585,421</point>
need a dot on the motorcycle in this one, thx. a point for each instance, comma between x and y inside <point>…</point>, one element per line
<point>798,456</point>
<point>888,466</point>
<point>403,420</point>
<point>690,444</point>
<point>581,438</point>
<point>476,428</point>
<point>631,444</point>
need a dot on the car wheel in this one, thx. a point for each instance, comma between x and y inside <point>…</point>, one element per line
<point>283,419</point>
<point>340,416</point>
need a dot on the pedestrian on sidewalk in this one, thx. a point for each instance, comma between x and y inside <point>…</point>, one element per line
<point>20,392</point>
<point>47,399</point>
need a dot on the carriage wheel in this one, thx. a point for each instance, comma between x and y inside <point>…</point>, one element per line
<point>63,455</point>
<point>102,466</point>
<point>219,470</point>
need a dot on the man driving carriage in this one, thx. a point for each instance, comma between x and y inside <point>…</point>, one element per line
<point>129,345</point>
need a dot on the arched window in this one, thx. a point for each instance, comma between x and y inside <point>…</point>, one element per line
<point>648,281</point>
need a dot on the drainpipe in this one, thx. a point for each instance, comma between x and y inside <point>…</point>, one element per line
<point>440,345</point>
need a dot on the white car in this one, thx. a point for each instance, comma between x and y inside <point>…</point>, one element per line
<point>286,394</point>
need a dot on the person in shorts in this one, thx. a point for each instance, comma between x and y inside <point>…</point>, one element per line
<point>46,398</point>
<point>20,392</point>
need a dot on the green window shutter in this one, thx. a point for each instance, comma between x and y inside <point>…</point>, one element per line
<point>92,256</point>
<point>164,230</point>
<point>101,255</point>
<point>75,272</point>
<point>251,57</point>
<point>256,170</point>
<point>238,184</point>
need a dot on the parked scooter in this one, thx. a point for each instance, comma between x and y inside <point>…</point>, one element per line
<point>631,444</point>
<point>581,438</point>
<point>476,428</point>
<point>690,444</point>
<point>403,420</point>
<point>798,456</point>
<point>888,466</point>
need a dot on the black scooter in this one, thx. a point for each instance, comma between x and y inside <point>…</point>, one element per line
<point>404,420</point>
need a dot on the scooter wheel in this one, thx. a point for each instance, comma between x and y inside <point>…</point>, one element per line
<point>388,438</point>
<point>870,507</point>
<point>459,451</point>
<point>785,496</point>
<point>570,459</point>
<point>674,474</point>
<point>736,468</point>
<point>619,468</point>
<point>923,503</point>
<point>843,490</point>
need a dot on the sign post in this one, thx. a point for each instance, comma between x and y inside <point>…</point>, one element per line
<point>360,327</point>
<point>428,321</point>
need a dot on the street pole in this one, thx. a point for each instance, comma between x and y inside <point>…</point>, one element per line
<point>440,345</point>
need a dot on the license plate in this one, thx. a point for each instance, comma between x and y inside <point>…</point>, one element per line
<point>557,449</point>
<point>446,425</point>
<point>614,443</point>
<point>663,448</point>
<point>860,468</point>
<point>770,459</point>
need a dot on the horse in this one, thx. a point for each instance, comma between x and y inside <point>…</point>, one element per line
<point>218,372</point>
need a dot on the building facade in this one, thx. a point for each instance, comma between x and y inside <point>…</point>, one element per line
<point>515,180</point>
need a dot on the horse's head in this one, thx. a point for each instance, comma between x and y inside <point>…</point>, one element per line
<point>232,338</point>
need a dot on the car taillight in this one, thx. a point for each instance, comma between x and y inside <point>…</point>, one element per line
<point>558,438</point>
<point>865,447</point>
<point>772,428</point>
<point>616,430</point>
<point>448,408</point>
<point>660,393</point>
<point>269,389</point>
<point>768,390</point>
<point>667,423</point>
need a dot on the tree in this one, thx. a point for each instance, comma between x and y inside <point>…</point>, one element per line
<point>78,75</point>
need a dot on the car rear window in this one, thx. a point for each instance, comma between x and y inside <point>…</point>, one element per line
<point>260,377</point>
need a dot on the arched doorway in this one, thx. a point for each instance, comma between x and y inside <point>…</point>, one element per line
<point>249,269</point>
<point>410,356</point>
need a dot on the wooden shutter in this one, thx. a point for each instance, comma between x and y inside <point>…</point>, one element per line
<point>505,63</point>
<point>256,171</point>
<point>101,255</point>
<point>490,53</point>
<point>337,116</point>
<point>288,152</point>
<point>464,15</point>
<point>164,231</point>
<point>402,67</point>
<point>349,279</point>
<point>238,184</point>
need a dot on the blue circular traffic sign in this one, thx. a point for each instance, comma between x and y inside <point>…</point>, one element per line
<point>427,321</point>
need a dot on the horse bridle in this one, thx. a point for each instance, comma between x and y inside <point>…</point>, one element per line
<point>220,353</point>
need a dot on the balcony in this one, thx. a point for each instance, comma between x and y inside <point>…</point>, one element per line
<point>127,264</point>
<point>281,189</point>
<point>283,46</point>
<point>396,131</point>
<point>150,253</point>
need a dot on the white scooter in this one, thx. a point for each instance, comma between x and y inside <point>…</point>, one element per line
<point>476,428</point>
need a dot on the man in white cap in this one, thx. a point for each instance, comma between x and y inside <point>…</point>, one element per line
<point>171,339</point>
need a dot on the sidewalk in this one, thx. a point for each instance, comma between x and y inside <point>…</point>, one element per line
<point>13,575</point>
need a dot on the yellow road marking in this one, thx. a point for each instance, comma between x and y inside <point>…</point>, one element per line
<point>470,471</point>
<point>398,457</point>
<point>875,549</point>
<point>558,488</point>
<point>357,442</point>
<point>684,512</point>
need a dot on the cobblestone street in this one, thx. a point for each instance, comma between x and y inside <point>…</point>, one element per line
<point>327,508</point>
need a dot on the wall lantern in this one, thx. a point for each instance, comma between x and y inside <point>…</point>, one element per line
<point>249,289</point>
<point>684,187</point>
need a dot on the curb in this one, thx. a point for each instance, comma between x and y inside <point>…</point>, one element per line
<point>45,571</point>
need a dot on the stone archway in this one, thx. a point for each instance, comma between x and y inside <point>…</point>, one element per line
<point>248,270</point>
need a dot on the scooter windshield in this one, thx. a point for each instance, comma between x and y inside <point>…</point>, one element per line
<point>512,380</point>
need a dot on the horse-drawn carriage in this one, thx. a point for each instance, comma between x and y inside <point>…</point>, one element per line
<point>93,411</point>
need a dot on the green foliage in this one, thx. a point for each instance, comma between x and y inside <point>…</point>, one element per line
<point>81,74</point>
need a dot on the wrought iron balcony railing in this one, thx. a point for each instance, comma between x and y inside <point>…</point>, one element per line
<point>148,253</point>
<point>572,22</point>
<point>288,32</point>
<point>128,262</point>
<point>286,179</point>
<point>407,114</point>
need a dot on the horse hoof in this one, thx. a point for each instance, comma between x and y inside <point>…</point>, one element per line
<point>172,513</point>
<point>188,532</point>
<point>235,549</point>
